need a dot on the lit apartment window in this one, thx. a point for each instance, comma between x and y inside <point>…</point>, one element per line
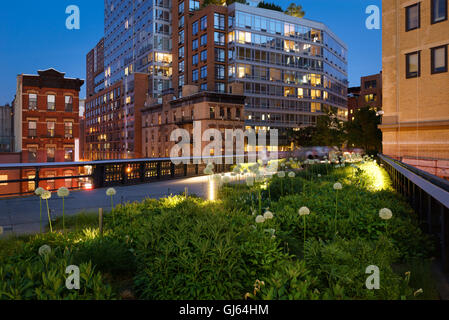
<point>32,129</point>
<point>68,129</point>
<point>439,10</point>
<point>68,154</point>
<point>32,101</point>
<point>51,102</point>
<point>439,59</point>
<point>370,97</point>
<point>412,17</point>
<point>413,64</point>
<point>50,128</point>
<point>68,103</point>
<point>51,154</point>
<point>203,23</point>
<point>212,112</point>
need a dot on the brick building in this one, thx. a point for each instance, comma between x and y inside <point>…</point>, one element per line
<point>415,124</point>
<point>368,94</point>
<point>46,123</point>
<point>95,69</point>
<point>219,111</point>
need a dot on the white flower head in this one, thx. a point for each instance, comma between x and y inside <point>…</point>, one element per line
<point>226,179</point>
<point>63,192</point>
<point>1,230</point>
<point>319,175</point>
<point>291,174</point>
<point>268,215</point>
<point>249,181</point>
<point>44,250</point>
<point>46,195</point>
<point>338,186</point>
<point>281,174</point>
<point>111,192</point>
<point>237,169</point>
<point>304,211</point>
<point>39,191</point>
<point>208,171</point>
<point>260,219</point>
<point>385,214</point>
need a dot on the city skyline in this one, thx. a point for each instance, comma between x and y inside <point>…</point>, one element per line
<point>69,57</point>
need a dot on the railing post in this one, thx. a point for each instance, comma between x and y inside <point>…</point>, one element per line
<point>124,173</point>
<point>185,170</point>
<point>158,169</point>
<point>429,213</point>
<point>172,169</point>
<point>98,176</point>
<point>36,178</point>
<point>142,171</point>
<point>444,239</point>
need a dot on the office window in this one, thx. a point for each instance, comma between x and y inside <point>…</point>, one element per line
<point>220,87</point>
<point>203,23</point>
<point>51,128</point>
<point>203,72</point>
<point>68,103</point>
<point>181,37</point>
<point>51,102</point>
<point>195,44</point>
<point>195,28</point>
<point>68,154</point>
<point>219,21</point>
<point>50,154</point>
<point>180,81</point>
<point>195,75</point>
<point>203,40</point>
<point>203,87</point>
<point>439,59</point>
<point>68,129</point>
<point>439,10</point>
<point>219,71</point>
<point>181,22</point>
<point>413,64</point>
<point>181,66</point>
<point>219,55</point>
<point>203,56</point>
<point>32,101</point>
<point>181,52</point>
<point>181,8</point>
<point>32,132</point>
<point>195,59</point>
<point>32,154</point>
<point>219,38</point>
<point>413,17</point>
<point>194,5</point>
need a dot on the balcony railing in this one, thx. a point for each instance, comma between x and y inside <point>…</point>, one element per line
<point>429,197</point>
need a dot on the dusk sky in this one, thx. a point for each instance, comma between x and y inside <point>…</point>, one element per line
<point>33,37</point>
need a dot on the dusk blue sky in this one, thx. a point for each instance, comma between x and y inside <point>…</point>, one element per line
<point>33,37</point>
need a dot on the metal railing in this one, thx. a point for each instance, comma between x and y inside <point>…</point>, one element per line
<point>107,173</point>
<point>429,197</point>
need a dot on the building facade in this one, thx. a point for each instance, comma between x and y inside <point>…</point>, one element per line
<point>46,123</point>
<point>369,94</point>
<point>6,129</point>
<point>207,110</point>
<point>95,69</point>
<point>415,79</point>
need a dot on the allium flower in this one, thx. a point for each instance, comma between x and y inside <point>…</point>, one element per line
<point>249,181</point>
<point>319,175</point>
<point>270,231</point>
<point>385,214</point>
<point>46,195</point>
<point>226,179</point>
<point>237,169</point>
<point>39,191</point>
<point>44,250</point>
<point>291,174</point>
<point>260,219</point>
<point>304,211</point>
<point>338,186</point>
<point>63,192</point>
<point>216,178</point>
<point>259,177</point>
<point>281,174</point>
<point>208,171</point>
<point>268,215</point>
<point>417,292</point>
<point>111,192</point>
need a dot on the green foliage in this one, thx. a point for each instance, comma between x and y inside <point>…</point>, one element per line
<point>363,131</point>
<point>270,6</point>
<point>295,11</point>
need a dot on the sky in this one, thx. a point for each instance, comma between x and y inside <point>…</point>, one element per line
<point>33,36</point>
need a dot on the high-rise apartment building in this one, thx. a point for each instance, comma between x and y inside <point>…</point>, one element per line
<point>415,124</point>
<point>95,69</point>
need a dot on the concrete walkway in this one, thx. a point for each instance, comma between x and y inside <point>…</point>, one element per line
<point>21,215</point>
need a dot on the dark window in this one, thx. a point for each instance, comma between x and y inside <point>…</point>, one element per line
<point>237,113</point>
<point>203,40</point>
<point>181,8</point>
<point>181,66</point>
<point>195,59</point>
<point>195,75</point>
<point>203,72</point>
<point>195,44</point>
<point>219,87</point>
<point>181,52</point>
<point>68,103</point>
<point>412,17</point>
<point>32,101</point>
<point>439,59</point>
<point>203,23</point>
<point>32,154</point>
<point>51,155</point>
<point>439,10</point>
<point>195,28</point>
<point>219,72</point>
<point>219,21</point>
<point>413,64</point>
<point>32,129</point>
<point>181,37</point>
<point>219,38</point>
<point>194,5</point>
<point>203,55</point>
<point>51,102</point>
<point>219,55</point>
<point>203,87</point>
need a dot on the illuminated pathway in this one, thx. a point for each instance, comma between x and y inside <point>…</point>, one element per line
<point>22,214</point>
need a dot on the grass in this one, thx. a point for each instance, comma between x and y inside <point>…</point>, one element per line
<point>77,222</point>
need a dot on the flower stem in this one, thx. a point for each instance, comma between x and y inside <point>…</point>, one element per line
<point>112,210</point>
<point>336,212</point>
<point>305,230</point>
<point>49,218</point>
<point>63,216</point>
<point>40,213</point>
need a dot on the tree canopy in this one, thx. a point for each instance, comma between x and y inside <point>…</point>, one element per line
<point>295,11</point>
<point>363,131</point>
<point>270,6</point>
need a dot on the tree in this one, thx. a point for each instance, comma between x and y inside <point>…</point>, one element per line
<point>330,131</point>
<point>295,11</point>
<point>303,137</point>
<point>363,131</point>
<point>270,6</point>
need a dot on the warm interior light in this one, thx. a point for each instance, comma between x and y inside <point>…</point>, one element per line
<point>88,186</point>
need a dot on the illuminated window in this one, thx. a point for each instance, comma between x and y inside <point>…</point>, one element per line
<point>3,177</point>
<point>51,102</point>
<point>32,101</point>
<point>51,128</point>
<point>32,129</point>
<point>51,154</point>
<point>68,129</point>
<point>68,154</point>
